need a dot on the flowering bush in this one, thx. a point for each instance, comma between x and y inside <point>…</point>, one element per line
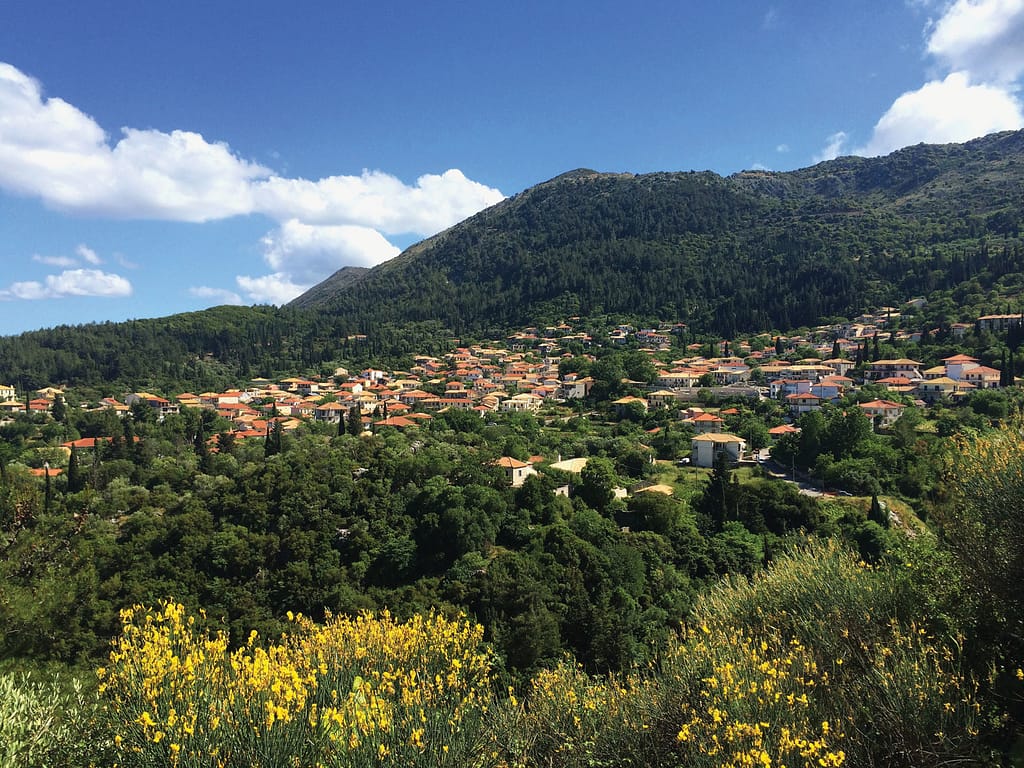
<point>354,691</point>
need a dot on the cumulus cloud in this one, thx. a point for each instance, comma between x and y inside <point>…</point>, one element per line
<point>51,150</point>
<point>980,45</point>
<point>303,254</point>
<point>217,295</point>
<point>944,111</point>
<point>983,37</point>
<point>377,200</point>
<point>307,252</point>
<point>277,288</point>
<point>833,147</point>
<point>71,282</point>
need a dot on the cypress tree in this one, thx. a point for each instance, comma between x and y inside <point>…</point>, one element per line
<point>876,513</point>
<point>48,501</point>
<point>355,421</point>
<point>75,479</point>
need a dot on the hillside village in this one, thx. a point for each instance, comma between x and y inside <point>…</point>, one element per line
<point>526,373</point>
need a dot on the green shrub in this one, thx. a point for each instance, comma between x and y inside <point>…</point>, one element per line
<point>41,724</point>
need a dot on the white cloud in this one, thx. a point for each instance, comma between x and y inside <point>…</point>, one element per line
<point>980,46</point>
<point>378,200</point>
<point>833,147</point>
<point>218,295</point>
<point>782,148</point>
<point>302,255</point>
<point>308,252</point>
<point>71,282</point>
<point>51,150</point>
<point>270,289</point>
<point>88,255</point>
<point>983,37</point>
<point>949,110</point>
<point>54,261</point>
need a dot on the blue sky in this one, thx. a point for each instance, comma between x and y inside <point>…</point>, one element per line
<point>166,157</point>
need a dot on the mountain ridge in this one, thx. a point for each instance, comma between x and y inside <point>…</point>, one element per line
<point>491,269</point>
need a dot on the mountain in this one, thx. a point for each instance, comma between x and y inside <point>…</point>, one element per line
<point>322,292</point>
<point>752,251</point>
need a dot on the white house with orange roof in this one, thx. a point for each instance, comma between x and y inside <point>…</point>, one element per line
<point>523,402</point>
<point>944,386</point>
<point>517,471</point>
<point>958,365</point>
<point>329,413</point>
<point>881,369</point>
<point>706,423</point>
<point>803,402</point>
<point>882,412</point>
<point>705,447</point>
<point>7,392</point>
<point>983,377</point>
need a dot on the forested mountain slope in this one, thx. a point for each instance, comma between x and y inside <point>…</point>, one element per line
<point>756,250</point>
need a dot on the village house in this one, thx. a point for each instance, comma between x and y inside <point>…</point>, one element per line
<point>517,471</point>
<point>705,447</point>
<point>330,413</point>
<point>802,402</point>
<point>706,423</point>
<point>521,403</point>
<point>983,377</point>
<point>958,365</point>
<point>881,369</point>
<point>998,323</point>
<point>882,412</point>
<point>943,387</point>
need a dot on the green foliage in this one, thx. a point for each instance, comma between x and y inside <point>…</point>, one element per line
<point>43,723</point>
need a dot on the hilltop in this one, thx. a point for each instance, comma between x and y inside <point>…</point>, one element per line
<point>751,251</point>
